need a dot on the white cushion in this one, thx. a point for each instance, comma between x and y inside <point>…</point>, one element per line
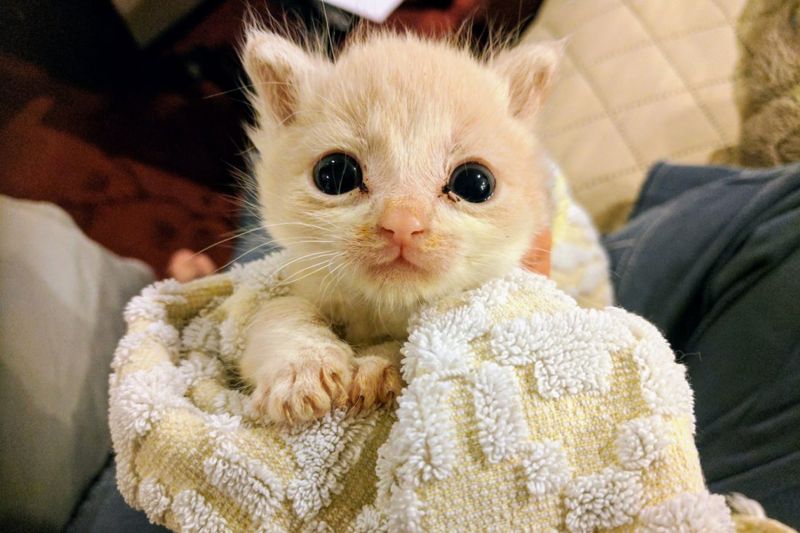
<point>641,80</point>
<point>61,297</point>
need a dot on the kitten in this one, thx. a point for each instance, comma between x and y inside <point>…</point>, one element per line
<point>401,172</point>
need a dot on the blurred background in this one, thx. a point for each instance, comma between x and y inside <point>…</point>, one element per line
<point>121,130</point>
<point>128,113</point>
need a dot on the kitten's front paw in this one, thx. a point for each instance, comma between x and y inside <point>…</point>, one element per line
<point>305,388</point>
<point>376,382</point>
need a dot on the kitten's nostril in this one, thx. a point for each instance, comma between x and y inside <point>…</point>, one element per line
<point>401,225</point>
<point>400,236</point>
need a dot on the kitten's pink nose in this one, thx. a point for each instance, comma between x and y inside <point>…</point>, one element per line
<point>401,225</point>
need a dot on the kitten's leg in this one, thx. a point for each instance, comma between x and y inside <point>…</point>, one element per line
<point>377,378</point>
<point>299,368</point>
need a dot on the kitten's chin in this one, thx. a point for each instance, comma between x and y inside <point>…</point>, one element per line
<point>406,276</point>
<point>404,284</point>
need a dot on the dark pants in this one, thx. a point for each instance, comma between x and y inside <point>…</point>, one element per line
<point>712,257</point>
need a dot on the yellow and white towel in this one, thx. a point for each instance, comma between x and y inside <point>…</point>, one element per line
<point>522,412</point>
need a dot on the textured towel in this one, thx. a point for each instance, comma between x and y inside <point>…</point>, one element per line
<point>522,411</point>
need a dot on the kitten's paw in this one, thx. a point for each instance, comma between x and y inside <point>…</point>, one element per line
<point>376,382</point>
<point>305,389</point>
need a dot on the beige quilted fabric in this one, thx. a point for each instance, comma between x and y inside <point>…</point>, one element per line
<point>641,80</point>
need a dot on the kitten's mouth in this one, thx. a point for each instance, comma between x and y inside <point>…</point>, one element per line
<point>402,262</point>
<point>399,261</point>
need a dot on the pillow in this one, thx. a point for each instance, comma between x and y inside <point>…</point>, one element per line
<point>62,297</point>
<point>640,81</point>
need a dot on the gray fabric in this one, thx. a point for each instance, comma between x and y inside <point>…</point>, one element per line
<point>104,510</point>
<point>254,242</point>
<point>62,297</point>
<point>711,256</point>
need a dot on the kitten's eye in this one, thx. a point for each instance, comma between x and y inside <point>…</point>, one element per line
<point>472,182</point>
<point>337,174</point>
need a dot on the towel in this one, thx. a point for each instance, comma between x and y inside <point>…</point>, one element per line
<point>522,411</point>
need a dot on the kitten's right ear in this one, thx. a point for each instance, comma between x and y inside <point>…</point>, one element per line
<point>277,68</point>
<point>529,69</point>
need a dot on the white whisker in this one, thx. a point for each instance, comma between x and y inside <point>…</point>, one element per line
<point>293,277</point>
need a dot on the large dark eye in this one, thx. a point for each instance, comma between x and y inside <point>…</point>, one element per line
<point>472,182</point>
<point>337,174</point>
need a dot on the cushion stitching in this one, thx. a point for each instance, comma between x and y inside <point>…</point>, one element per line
<point>699,29</point>
<point>602,179</point>
<point>670,60</point>
<point>578,66</point>
<point>586,20</point>
<point>639,45</point>
<point>634,105</point>
<point>723,11</point>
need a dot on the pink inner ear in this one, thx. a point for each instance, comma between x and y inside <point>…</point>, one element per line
<point>529,70</point>
<point>275,83</point>
<point>528,91</point>
<point>275,66</point>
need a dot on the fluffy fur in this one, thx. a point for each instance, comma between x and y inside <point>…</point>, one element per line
<point>768,85</point>
<point>410,111</point>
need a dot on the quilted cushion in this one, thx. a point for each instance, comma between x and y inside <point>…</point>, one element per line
<point>640,81</point>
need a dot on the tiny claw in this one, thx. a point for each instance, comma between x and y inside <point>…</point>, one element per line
<point>325,385</point>
<point>287,413</point>
<point>339,401</point>
<point>390,399</point>
<point>309,405</point>
<point>337,379</point>
<point>355,394</point>
<point>357,406</point>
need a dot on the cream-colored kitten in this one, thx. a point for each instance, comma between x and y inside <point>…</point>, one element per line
<point>401,172</point>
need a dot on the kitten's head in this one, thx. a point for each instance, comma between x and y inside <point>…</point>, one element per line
<point>405,169</point>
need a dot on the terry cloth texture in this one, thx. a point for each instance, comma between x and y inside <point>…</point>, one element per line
<point>522,410</point>
<point>579,263</point>
<point>712,257</point>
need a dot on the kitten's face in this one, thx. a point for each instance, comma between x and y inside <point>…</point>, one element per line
<point>443,188</point>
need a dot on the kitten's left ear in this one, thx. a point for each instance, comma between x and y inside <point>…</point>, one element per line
<point>529,69</point>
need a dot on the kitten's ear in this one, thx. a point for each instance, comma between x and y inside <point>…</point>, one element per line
<point>529,69</point>
<point>277,68</point>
